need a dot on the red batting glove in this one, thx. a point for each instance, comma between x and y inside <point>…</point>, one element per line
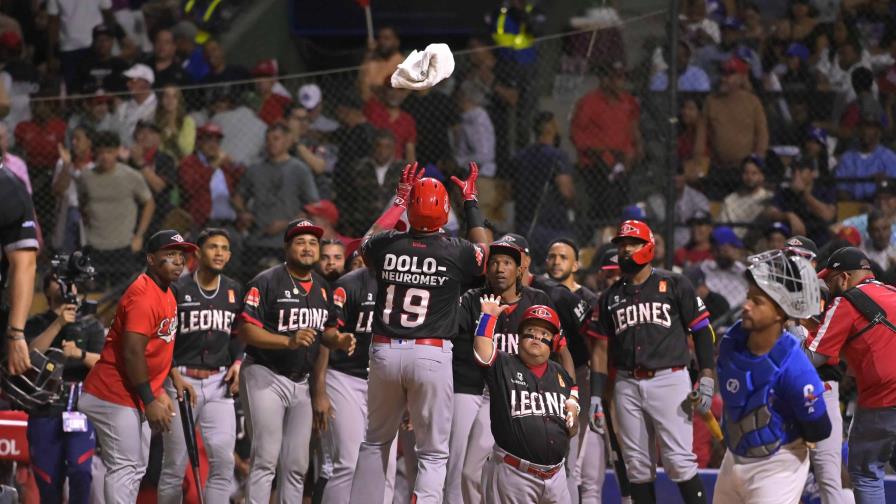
<point>410,176</point>
<point>468,187</point>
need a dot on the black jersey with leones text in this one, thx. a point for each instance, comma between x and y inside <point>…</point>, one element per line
<point>206,322</point>
<point>281,304</point>
<point>354,296</point>
<point>468,377</point>
<point>420,277</point>
<point>527,409</point>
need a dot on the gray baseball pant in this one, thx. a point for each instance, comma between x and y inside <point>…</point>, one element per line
<point>124,437</point>
<point>419,377</point>
<point>466,408</point>
<point>406,471</point>
<point>278,417</point>
<point>341,442</point>
<point>651,408</point>
<point>480,444</point>
<point>506,484</point>
<point>215,417</point>
<point>586,463</point>
<point>827,456</point>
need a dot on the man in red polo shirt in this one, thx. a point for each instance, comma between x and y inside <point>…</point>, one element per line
<point>384,112</point>
<point>870,351</point>
<point>123,394</point>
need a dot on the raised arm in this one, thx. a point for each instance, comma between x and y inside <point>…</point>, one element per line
<point>483,343</point>
<point>476,230</point>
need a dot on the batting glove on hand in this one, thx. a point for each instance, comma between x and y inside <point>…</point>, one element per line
<point>706,388</point>
<point>572,411</point>
<point>597,423</point>
<point>409,177</point>
<point>468,187</point>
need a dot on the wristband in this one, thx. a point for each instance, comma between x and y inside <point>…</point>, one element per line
<point>20,337</point>
<point>598,381</point>
<point>83,355</point>
<point>10,329</point>
<point>574,393</point>
<point>486,326</point>
<point>473,215</point>
<point>145,393</point>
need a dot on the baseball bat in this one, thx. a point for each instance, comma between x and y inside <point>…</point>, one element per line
<point>616,451</point>
<point>708,417</point>
<point>189,426</point>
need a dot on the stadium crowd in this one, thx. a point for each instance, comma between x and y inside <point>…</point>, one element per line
<point>121,128</point>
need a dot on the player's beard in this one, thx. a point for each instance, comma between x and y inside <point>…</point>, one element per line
<point>628,265</point>
<point>563,276</point>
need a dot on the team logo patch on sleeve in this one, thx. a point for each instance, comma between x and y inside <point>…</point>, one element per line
<point>560,379</point>
<point>663,286</point>
<point>231,296</point>
<point>339,296</point>
<point>480,256</point>
<point>253,297</point>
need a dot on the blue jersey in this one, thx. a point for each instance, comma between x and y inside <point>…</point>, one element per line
<point>769,399</point>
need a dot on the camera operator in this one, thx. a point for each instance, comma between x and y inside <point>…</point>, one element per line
<point>61,439</point>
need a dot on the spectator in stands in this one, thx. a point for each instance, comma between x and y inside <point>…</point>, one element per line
<point>605,133</point>
<point>38,138</point>
<point>807,206</point>
<point>691,78</point>
<point>141,106</point>
<point>100,69</point>
<point>383,110</point>
<point>164,62</point>
<point>712,57</point>
<point>271,194</point>
<point>743,206</point>
<point>355,139</point>
<point>244,132</point>
<point>11,162</point>
<point>69,229</point>
<point>474,140</point>
<point>799,23</point>
<point>865,104</point>
<point>70,25</point>
<point>435,113</point>
<point>325,215</point>
<point>208,181</point>
<point>273,98</point>
<point>735,127</point>
<point>307,147</point>
<point>689,202</point>
<point>797,76</point>
<point>869,160</point>
<point>537,167</point>
<point>884,204</point>
<point>694,157</point>
<point>776,235</point>
<point>311,97</point>
<point>836,73</point>
<point>698,29</point>
<point>369,186</point>
<point>879,247</point>
<point>178,129</point>
<point>111,197</point>
<point>382,58</point>
<point>219,70</point>
<point>158,168</point>
<point>815,152</point>
<point>191,54</point>
<point>699,247</point>
<point>95,114</point>
<point>19,77</point>
<point>331,264</point>
<point>724,273</point>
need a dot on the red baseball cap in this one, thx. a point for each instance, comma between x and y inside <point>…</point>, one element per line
<point>11,40</point>
<point>850,234</point>
<point>210,129</point>
<point>324,208</point>
<point>266,68</point>
<point>735,65</point>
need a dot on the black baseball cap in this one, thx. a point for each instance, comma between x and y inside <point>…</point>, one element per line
<point>168,239</point>
<point>699,218</point>
<point>609,260</point>
<point>506,247</point>
<point>569,242</point>
<point>845,259</point>
<point>302,226</point>
<point>802,245</point>
<point>519,240</point>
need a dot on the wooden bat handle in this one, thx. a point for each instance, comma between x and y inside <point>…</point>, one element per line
<point>714,428</point>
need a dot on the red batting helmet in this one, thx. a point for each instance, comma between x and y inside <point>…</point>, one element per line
<point>428,205</point>
<point>641,231</point>
<point>544,314</point>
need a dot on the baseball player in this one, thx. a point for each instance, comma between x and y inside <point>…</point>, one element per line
<point>769,388</point>
<point>332,259</point>
<point>207,356</point>
<point>420,274</point>
<point>532,408</point>
<point>123,393</point>
<point>645,318</point>
<point>471,437</point>
<point>285,313</point>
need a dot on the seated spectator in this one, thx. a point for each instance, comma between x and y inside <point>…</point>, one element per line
<point>307,147</point>
<point>815,152</point>
<point>158,168</point>
<point>69,229</point>
<point>354,138</point>
<point>369,185</point>
<point>187,51</point>
<point>499,80</point>
<point>381,60</point>
<point>178,129</point>
<point>807,206</point>
<point>273,98</point>
<point>712,57</point>
<point>736,127</point>
<point>311,97</point>
<point>884,205</point>
<point>100,68</point>
<point>434,112</point>
<point>383,110</point>
<point>776,235</point>
<point>724,272</point>
<point>325,215</point>
<point>219,70</point>
<point>474,140</point>
<point>836,74</point>
<point>879,247</point>
<point>691,78</point>
<point>870,160</point>
<point>38,138</point>
<point>244,132</point>
<point>164,62</point>
<point>689,202</point>
<point>694,157</point>
<point>699,30</point>
<point>743,206</point>
<point>19,77</point>
<point>798,24</point>
<point>865,104</point>
<point>111,197</point>
<point>699,247</point>
<point>271,194</point>
<point>95,113</point>
<point>208,181</point>
<point>70,26</point>
<point>141,106</point>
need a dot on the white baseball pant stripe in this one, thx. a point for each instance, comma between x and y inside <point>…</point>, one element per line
<point>466,409</point>
<point>278,417</point>
<point>348,398</point>
<point>403,374</point>
<point>653,408</point>
<point>778,479</point>
<point>586,463</point>
<point>505,484</point>
<point>215,417</point>
<point>827,457</point>
<point>124,438</point>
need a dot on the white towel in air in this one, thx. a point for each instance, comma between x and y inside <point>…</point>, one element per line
<point>423,70</point>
